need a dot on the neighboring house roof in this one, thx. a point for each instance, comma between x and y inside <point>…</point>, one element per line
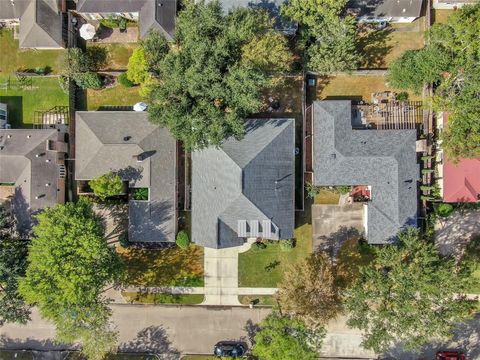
<point>153,14</point>
<point>26,162</point>
<point>272,6</point>
<point>41,25</point>
<point>12,10</point>
<point>247,183</point>
<point>111,141</point>
<point>388,8</point>
<point>383,159</point>
<point>461,181</point>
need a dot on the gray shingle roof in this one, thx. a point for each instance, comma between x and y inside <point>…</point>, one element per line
<point>19,164</point>
<point>251,179</point>
<point>108,141</point>
<point>153,14</point>
<point>384,159</point>
<point>389,8</point>
<point>12,10</point>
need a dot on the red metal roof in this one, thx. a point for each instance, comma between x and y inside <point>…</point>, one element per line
<point>461,181</point>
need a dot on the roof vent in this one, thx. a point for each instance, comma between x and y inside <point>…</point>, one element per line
<point>333,156</point>
<point>9,136</point>
<point>127,138</point>
<point>29,136</point>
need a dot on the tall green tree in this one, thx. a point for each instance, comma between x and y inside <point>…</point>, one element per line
<point>155,46</point>
<point>451,61</point>
<point>69,265</point>
<point>13,263</point>
<point>137,68</point>
<point>285,338</point>
<point>407,294</point>
<point>327,36</point>
<point>106,185</point>
<point>205,91</point>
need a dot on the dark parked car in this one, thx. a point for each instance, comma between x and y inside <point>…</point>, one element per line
<point>450,355</point>
<point>229,349</point>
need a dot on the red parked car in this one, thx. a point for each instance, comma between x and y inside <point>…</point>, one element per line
<point>450,355</point>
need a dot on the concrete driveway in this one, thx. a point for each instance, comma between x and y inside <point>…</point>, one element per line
<point>453,233</point>
<point>335,224</point>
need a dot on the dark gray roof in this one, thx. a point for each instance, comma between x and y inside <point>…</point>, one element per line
<point>110,141</point>
<point>153,14</point>
<point>388,8</point>
<point>41,25</point>
<point>250,180</point>
<point>272,6</point>
<point>384,159</point>
<point>19,164</point>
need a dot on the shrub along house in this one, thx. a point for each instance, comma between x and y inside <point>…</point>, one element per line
<point>245,189</point>
<point>143,155</point>
<point>383,160</point>
<point>150,14</point>
<point>32,172</point>
<point>40,22</point>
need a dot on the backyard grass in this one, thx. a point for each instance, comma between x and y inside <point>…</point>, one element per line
<point>117,54</point>
<point>354,87</point>
<point>163,267</point>
<point>288,93</point>
<point>381,47</point>
<point>441,16</point>
<point>475,289</point>
<point>45,94</point>
<point>12,58</point>
<point>115,96</point>
<point>265,267</point>
<point>265,300</point>
<point>327,197</point>
<point>181,299</point>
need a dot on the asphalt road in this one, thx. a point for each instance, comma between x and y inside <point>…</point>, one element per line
<point>173,330</point>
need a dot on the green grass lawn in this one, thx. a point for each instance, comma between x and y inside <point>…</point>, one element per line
<point>327,197</point>
<point>163,267</point>
<point>117,54</point>
<point>265,267</point>
<point>476,286</point>
<point>441,15</point>
<point>183,299</point>
<point>116,96</point>
<point>12,58</point>
<point>45,94</point>
<point>354,87</point>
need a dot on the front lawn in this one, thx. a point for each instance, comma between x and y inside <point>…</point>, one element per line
<point>13,59</point>
<point>265,267</point>
<point>45,94</point>
<point>180,299</point>
<point>163,267</point>
<point>115,96</point>
<point>354,87</point>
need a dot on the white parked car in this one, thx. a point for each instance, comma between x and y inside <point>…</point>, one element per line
<point>4,117</point>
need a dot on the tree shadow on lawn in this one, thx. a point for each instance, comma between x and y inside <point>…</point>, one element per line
<point>374,46</point>
<point>163,267</point>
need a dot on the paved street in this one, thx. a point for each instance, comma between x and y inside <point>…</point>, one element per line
<point>171,329</point>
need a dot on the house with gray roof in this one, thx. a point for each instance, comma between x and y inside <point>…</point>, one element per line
<point>143,155</point>
<point>150,14</point>
<point>395,11</point>
<point>40,22</point>
<point>245,188</point>
<point>32,171</point>
<point>384,160</point>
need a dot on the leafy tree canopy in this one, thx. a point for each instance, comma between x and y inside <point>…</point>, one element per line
<point>69,265</point>
<point>106,185</point>
<point>451,61</point>
<point>137,68</point>
<point>81,66</point>
<point>329,38</point>
<point>286,338</point>
<point>155,47</point>
<point>309,291</point>
<point>205,90</point>
<point>407,295</point>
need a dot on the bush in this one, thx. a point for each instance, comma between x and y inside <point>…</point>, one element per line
<point>258,245</point>
<point>124,81</point>
<point>122,23</point>
<point>110,22</point>
<point>106,185</point>
<point>287,245</point>
<point>343,189</point>
<point>444,210</point>
<point>182,240</point>
<point>311,190</point>
<point>140,194</point>
<point>403,96</point>
<point>123,239</point>
<point>89,80</point>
